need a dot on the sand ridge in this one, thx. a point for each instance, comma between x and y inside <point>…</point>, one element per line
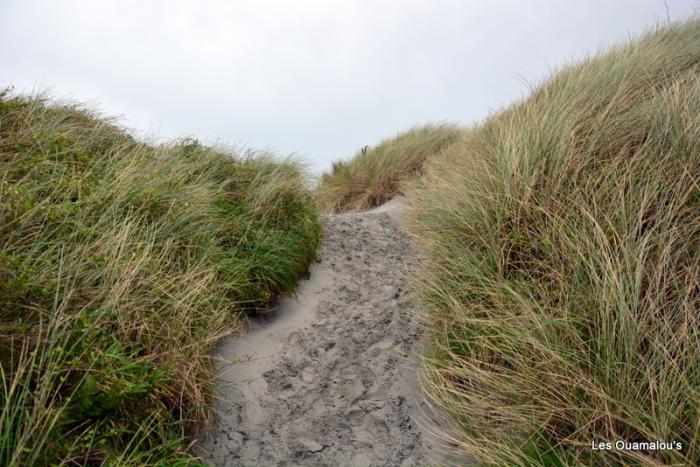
<point>329,377</point>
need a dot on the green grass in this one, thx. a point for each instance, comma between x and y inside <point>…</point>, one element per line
<point>374,175</point>
<point>120,264</point>
<point>561,286</point>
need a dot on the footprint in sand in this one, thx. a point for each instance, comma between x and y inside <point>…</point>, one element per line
<point>332,379</point>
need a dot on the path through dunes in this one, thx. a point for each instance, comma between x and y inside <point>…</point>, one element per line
<point>329,378</point>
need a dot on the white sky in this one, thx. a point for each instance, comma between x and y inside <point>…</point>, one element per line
<point>316,78</point>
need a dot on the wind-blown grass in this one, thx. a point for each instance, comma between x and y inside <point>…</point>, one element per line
<point>562,281</point>
<point>373,175</point>
<point>120,264</point>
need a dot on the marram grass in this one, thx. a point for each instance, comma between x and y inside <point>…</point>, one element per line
<point>120,264</point>
<point>374,174</point>
<point>561,287</point>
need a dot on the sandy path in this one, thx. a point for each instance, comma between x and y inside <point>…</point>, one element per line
<point>329,378</point>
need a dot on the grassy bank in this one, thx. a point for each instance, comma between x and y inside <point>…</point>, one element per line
<point>562,286</point>
<point>374,174</point>
<point>120,264</point>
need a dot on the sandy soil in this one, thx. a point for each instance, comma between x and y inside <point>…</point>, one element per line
<point>329,377</point>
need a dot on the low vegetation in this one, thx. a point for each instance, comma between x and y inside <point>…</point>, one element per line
<point>374,175</point>
<point>562,281</point>
<point>120,264</point>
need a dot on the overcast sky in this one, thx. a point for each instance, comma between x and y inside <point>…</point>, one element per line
<point>316,78</point>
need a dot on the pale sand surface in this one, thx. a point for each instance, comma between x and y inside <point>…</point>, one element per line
<point>330,377</point>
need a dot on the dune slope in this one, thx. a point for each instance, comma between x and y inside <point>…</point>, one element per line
<point>121,264</point>
<point>562,284</point>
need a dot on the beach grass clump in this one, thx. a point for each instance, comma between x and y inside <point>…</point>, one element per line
<point>120,264</point>
<point>561,286</point>
<point>374,174</point>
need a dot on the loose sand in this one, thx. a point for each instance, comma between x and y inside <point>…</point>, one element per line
<point>329,377</point>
